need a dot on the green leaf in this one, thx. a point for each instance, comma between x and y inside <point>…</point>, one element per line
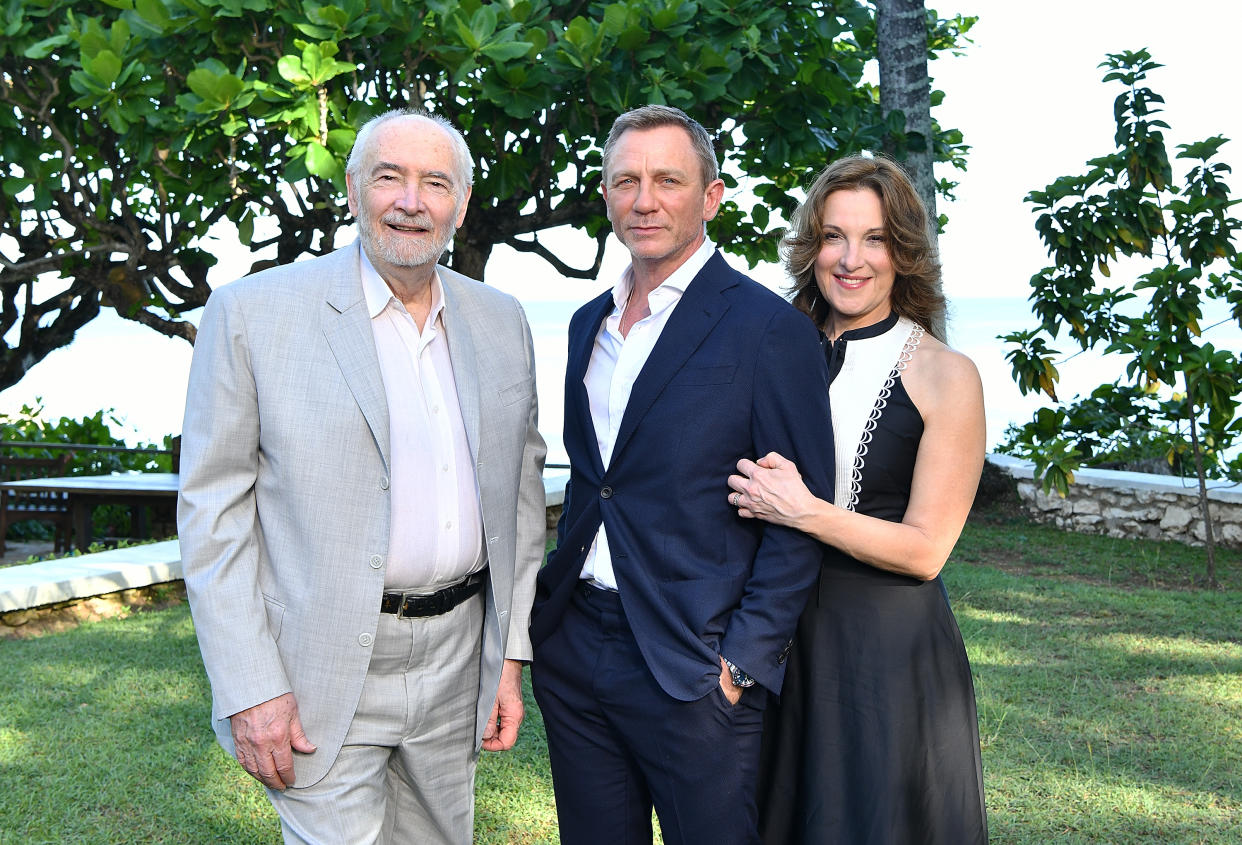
<point>579,32</point>
<point>217,90</point>
<point>245,229</point>
<point>14,185</point>
<point>154,13</point>
<point>483,23</point>
<point>104,66</point>
<point>466,34</point>
<point>320,162</point>
<point>42,49</point>
<point>341,141</point>
<point>118,36</point>
<point>291,70</point>
<point>507,51</point>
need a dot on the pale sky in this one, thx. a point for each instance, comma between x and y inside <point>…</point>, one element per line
<point>1028,96</point>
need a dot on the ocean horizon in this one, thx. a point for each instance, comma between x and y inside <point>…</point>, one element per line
<point>118,364</point>
<point>974,325</point>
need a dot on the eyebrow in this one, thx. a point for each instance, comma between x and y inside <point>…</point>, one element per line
<point>663,171</point>
<point>826,226</point>
<point>424,174</point>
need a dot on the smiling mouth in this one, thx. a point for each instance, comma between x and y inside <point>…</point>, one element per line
<point>850,282</point>
<point>408,227</point>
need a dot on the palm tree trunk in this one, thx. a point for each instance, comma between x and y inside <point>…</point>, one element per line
<point>901,36</point>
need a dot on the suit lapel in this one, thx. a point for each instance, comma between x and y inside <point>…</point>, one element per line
<point>458,320</point>
<point>348,332</point>
<point>700,308</point>
<point>577,404</point>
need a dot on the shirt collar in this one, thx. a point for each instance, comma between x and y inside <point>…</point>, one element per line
<point>379,296</point>
<point>672,287</point>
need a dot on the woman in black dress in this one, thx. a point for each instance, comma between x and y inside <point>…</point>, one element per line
<point>875,738</point>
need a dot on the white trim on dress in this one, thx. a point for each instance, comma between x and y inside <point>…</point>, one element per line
<point>871,368</point>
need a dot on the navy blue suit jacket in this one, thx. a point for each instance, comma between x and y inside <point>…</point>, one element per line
<point>737,372</point>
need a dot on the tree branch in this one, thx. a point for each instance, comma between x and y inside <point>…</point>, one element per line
<point>561,267</point>
<point>30,269</point>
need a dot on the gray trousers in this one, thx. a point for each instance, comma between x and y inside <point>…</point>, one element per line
<point>406,771</point>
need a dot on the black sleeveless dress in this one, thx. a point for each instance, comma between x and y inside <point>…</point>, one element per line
<point>875,739</point>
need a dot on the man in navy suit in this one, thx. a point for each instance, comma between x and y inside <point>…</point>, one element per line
<point>662,620</point>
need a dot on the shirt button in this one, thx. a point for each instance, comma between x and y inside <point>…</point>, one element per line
<point>384,482</point>
<point>376,561</point>
<point>605,492</point>
<point>435,409</point>
<point>365,639</point>
<point>444,468</point>
<point>448,525</point>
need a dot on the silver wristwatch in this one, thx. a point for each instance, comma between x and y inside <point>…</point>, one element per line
<point>740,678</point>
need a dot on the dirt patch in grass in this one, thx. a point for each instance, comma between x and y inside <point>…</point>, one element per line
<point>20,624</point>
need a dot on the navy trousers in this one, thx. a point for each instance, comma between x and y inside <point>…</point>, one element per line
<point>620,745</point>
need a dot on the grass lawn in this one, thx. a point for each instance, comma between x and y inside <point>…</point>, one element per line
<point>1109,690</point>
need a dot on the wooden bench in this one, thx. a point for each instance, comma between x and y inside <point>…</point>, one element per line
<point>47,507</point>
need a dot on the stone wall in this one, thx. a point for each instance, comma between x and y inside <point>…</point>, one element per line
<point>1130,504</point>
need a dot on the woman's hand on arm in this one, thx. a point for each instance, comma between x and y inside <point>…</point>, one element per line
<point>946,389</point>
<point>772,489</point>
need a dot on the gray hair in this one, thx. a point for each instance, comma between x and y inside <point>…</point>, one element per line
<point>653,117</point>
<point>461,152</point>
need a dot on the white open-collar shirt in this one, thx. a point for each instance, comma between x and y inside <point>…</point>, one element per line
<point>615,363</point>
<point>436,535</point>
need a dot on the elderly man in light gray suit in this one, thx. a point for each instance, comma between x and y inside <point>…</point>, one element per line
<point>362,510</point>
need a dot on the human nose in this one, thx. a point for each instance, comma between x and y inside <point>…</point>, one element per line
<point>851,256</point>
<point>645,200</point>
<point>410,199</point>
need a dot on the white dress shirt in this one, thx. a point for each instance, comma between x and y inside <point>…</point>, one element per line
<point>436,535</point>
<point>615,363</point>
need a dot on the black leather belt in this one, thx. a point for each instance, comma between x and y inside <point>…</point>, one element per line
<point>407,605</point>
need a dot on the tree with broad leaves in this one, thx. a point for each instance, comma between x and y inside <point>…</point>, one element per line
<point>1179,393</point>
<point>129,128</point>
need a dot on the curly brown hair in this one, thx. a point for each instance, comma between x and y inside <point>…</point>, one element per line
<point>916,290</point>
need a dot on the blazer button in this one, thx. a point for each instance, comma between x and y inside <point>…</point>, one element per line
<point>605,492</point>
<point>384,482</point>
<point>376,561</point>
<point>365,639</point>
<point>784,655</point>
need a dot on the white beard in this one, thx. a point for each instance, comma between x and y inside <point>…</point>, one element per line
<point>396,250</point>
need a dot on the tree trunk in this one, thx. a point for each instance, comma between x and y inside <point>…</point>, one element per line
<point>469,257</point>
<point>1209,536</point>
<point>901,36</point>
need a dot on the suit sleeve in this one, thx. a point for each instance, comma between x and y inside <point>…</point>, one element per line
<point>217,520</point>
<point>790,416</point>
<point>531,520</point>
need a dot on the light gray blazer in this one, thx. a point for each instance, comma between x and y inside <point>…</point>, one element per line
<point>284,508</point>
